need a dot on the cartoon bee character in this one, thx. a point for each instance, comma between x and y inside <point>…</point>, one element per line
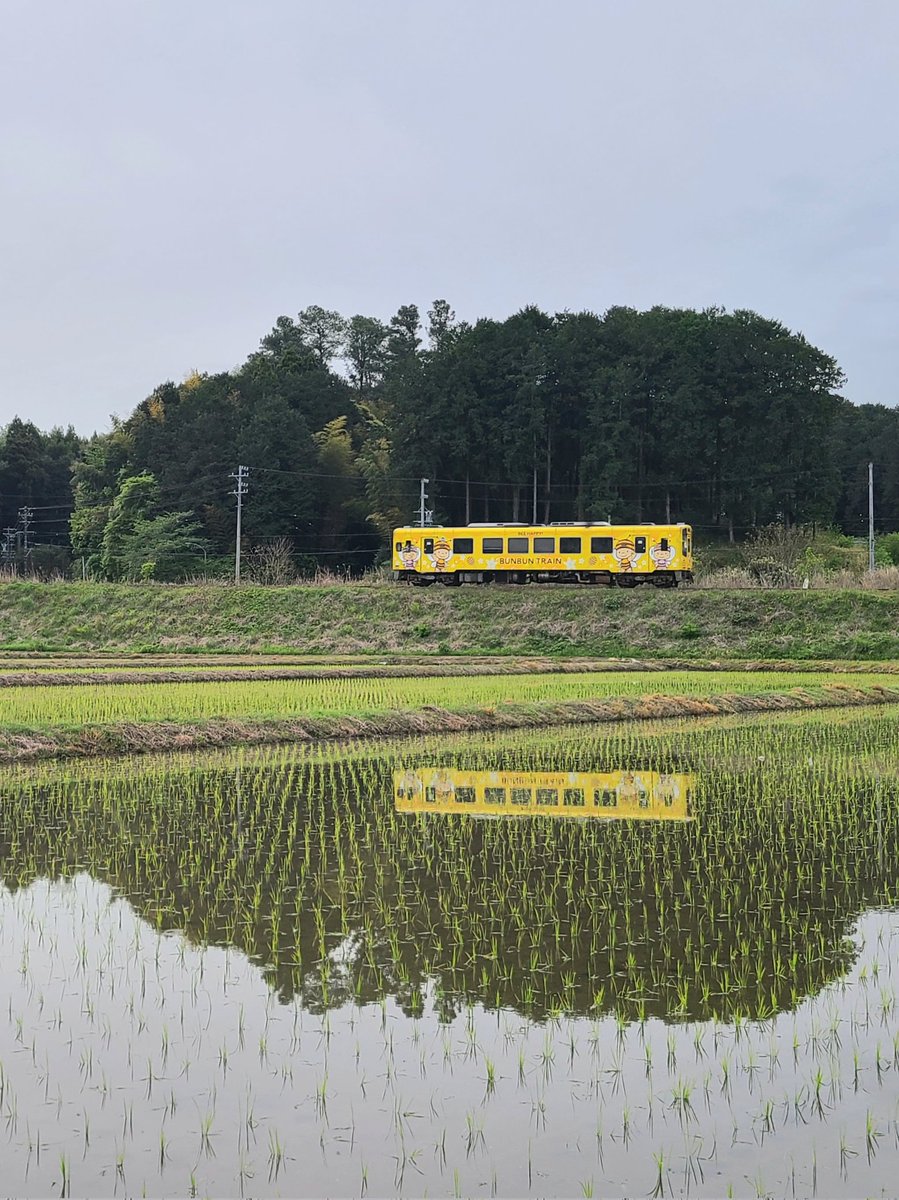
<point>444,788</point>
<point>630,789</point>
<point>442,553</point>
<point>410,556</point>
<point>409,785</point>
<point>624,554</point>
<point>662,556</point>
<point>666,791</point>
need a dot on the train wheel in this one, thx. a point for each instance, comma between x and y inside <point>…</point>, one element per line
<point>626,581</point>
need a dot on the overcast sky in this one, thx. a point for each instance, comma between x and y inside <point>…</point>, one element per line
<point>174,175</point>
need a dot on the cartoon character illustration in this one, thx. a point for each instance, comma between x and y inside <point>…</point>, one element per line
<point>410,555</point>
<point>662,556</point>
<point>624,553</point>
<point>444,788</point>
<point>666,791</point>
<point>631,789</point>
<point>410,785</point>
<point>442,553</point>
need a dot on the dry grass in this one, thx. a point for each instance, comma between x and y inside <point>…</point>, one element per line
<point>881,579</point>
<point>59,672</point>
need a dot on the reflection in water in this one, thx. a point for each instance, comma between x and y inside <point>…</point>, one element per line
<point>608,795</point>
<point>247,1056</point>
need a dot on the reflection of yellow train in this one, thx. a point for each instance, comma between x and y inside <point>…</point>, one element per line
<point>612,795</point>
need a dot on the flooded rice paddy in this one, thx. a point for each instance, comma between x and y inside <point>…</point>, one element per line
<point>636,960</point>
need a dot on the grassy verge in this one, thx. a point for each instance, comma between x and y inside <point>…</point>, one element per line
<point>123,737</point>
<point>387,619</point>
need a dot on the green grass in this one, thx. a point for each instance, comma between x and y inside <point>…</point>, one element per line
<point>389,619</point>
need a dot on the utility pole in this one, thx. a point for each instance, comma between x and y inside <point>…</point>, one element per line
<point>424,514</point>
<point>9,539</point>
<point>240,490</point>
<point>870,516</point>
<point>534,513</point>
<point>25,515</point>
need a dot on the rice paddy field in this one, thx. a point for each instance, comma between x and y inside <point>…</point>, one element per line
<point>645,958</point>
<point>45,712</point>
<point>93,704</point>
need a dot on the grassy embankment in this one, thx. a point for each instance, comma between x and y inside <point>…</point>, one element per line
<point>385,619</point>
<point>37,721</point>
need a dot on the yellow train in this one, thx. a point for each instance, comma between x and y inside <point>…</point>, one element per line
<point>622,555</point>
<point>608,795</point>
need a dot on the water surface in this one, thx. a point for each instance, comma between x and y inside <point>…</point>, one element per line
<point>613,961</point>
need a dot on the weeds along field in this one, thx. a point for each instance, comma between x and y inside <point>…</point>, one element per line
<point>73,705</point>
<point>322,970</point>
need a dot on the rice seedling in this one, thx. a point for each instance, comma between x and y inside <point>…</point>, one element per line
<point>311,707</point>
<point>236,948</point>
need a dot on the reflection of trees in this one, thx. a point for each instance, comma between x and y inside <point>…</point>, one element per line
<point>310,871</point>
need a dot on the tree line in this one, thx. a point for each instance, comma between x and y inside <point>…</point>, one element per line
<point>727,420</point>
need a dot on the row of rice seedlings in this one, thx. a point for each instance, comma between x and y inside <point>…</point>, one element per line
<point>576,936</point>
<point>37,708</point>
<point>457,891</point>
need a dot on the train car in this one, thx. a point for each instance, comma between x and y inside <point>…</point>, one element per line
<point>608,795</point>
<point>587,552</point>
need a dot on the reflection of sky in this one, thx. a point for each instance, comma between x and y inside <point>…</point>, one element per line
<point>110,1027</point>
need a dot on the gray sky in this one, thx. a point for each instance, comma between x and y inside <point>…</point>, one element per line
<point>174,175</point>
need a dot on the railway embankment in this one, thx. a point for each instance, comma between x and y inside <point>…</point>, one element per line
<point>385,619</point>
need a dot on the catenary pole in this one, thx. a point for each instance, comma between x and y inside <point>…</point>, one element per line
<point>422,511</point>
<point>240,490</point>
<point>870,516</point>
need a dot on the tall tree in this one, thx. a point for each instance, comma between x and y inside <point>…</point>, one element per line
<point>365,352</point>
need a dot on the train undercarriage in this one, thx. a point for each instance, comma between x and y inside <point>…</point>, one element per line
<point>659,579</point>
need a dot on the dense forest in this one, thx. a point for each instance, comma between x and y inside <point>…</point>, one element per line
<point>727,420</point>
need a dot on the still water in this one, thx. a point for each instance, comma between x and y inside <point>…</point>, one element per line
<point>654,962</point>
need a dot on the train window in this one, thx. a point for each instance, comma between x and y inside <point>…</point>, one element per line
<point>639,545</point>
<point>574,797</point>
<point>605,799</point>
<point>686,542</point>
<point>494,795</point>
<point>431,795</point>
<point>544,545</point>
<point>601,545</point>
<point>399,547</point>
<point>518,545</point>
<point>492,545</point>
<point>520,796</point>
<point>663,544</point>
<point>569,545</point>
<point>429,545</point>
<point>464,795</point>
<point>463,545</point>
<point>547,796</point>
